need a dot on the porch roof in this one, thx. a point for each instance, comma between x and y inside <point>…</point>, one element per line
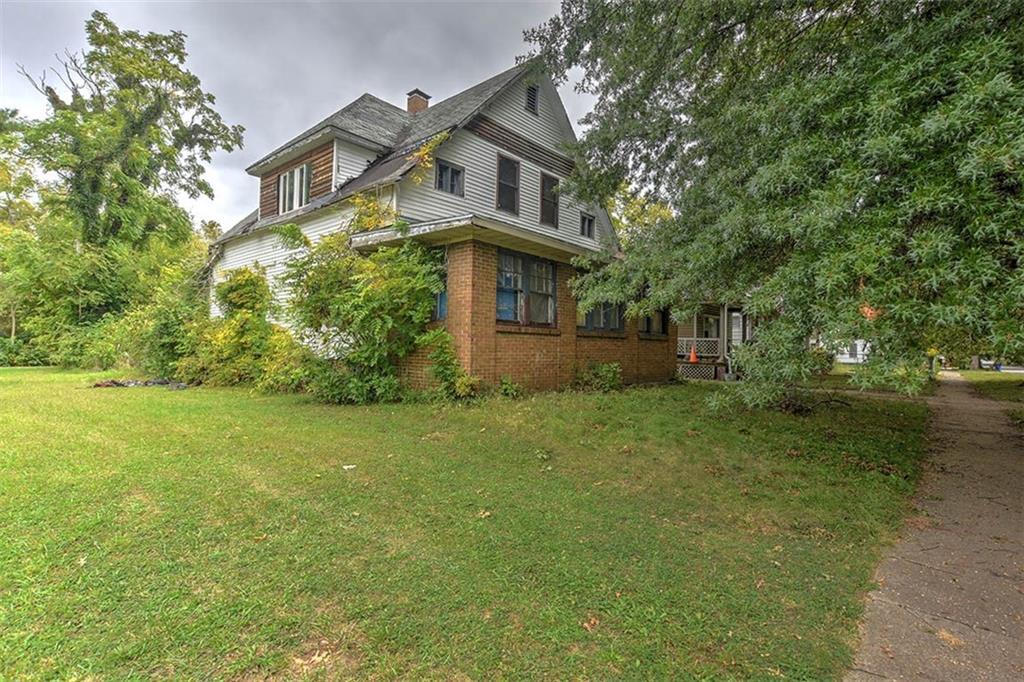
<point>470,226</point>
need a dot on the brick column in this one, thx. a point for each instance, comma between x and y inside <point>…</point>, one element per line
<point>566,314</point>
<point>484,310</point>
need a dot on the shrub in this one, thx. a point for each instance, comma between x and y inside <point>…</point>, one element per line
<point>361,312</point>
<point>233,349</point>
<point>244,289</point>
<point>510,389</point>
<point>454,383</point>
<point>285,365</point>
<point>600,376</point>
<point>17,352</point>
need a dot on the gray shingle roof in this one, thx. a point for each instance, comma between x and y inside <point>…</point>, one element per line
<point>389,128</point>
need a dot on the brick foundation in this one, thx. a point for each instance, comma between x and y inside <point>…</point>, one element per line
<point>538,358</point>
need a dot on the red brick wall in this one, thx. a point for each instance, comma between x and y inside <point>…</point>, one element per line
<point>537,358</point>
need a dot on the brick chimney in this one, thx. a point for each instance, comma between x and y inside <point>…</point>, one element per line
<point>418,101</point>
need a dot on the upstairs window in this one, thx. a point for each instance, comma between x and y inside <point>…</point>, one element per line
<point>656,323</point>
<point>450,178</point>
<point>606,317</point>
<point>508,185</point>
<point>549,200</point>
<point>532,98</point>
<point>587,225</point>
<point>293,188</point>
<point>526,289</point>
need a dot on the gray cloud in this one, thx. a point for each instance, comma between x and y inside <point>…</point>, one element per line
<point>278,67</point>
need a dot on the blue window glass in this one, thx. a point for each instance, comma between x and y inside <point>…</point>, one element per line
<point>441,306</point>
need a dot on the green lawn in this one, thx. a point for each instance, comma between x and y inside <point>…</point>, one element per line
<point>997,385</point>
<point>211,533</point>
<point>839,380</point>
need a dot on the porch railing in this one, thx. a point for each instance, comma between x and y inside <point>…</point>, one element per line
<point>706,348</point>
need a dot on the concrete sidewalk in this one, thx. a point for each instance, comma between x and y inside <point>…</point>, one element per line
<point>950,602</point>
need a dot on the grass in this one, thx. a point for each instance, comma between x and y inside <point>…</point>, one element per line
<point>839,380</point>
<point>997,385</point>
<point>212,533</point>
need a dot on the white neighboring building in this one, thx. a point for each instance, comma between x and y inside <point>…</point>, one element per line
<point>854,354</point>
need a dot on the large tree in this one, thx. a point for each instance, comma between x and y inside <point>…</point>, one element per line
<point>845,169</point>
<point>129,126</point>
<point>128,129</point>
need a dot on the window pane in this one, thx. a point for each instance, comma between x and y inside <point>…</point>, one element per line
<point>441,306</point>
<point>542,308</point>
<point>510,269</point>
<point>508,171</point>
<point>508,304</point>
<point>457,181</point>
<point>541,277</point>
<point>507,197</point>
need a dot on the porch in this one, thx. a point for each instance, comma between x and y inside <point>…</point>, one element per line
<point>711,335</point>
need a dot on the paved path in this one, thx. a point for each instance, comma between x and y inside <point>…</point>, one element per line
<point>950,602</point>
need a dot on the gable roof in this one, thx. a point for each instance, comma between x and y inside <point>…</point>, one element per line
<point>383,127</point>
<point>392,131</point>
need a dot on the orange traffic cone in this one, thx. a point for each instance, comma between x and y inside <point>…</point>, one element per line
<point>693,354</point>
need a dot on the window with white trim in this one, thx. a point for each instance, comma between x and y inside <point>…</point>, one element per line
<point>293,188</point>
<point>586,225</point>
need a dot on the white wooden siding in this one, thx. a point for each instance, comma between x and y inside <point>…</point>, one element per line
<point>265,248</point>
<point>350,160</point>
<point>418,202</point>
<point>548,127</point>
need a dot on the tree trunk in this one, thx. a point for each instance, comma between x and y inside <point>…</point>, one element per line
<point>14,323</point>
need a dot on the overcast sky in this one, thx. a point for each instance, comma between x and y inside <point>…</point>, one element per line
<point>279,67</point>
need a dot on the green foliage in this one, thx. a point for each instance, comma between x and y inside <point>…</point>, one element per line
<point>242,347</point>
<point>244,290</point>
<point>19,353</point>
<point>846,170</point>
<point>97,260</point>
<point>362,313</point>
<point>454,382</point>
<point>510,389</point>
<point>599,376</point>
<point>134,127</point>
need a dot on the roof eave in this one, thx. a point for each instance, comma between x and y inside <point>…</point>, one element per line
<point>284,153</point>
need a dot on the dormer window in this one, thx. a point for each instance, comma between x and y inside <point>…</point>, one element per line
<point>532,99</point>
<point>293,189</point>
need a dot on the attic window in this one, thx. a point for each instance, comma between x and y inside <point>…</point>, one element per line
<point>532,97</point>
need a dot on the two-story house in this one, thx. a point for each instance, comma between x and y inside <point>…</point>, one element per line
<point>493,201</point>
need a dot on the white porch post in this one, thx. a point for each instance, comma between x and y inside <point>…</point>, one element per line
<point>723,331</point>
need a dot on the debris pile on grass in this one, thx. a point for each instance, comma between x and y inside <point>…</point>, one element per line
<point>132,383</point>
